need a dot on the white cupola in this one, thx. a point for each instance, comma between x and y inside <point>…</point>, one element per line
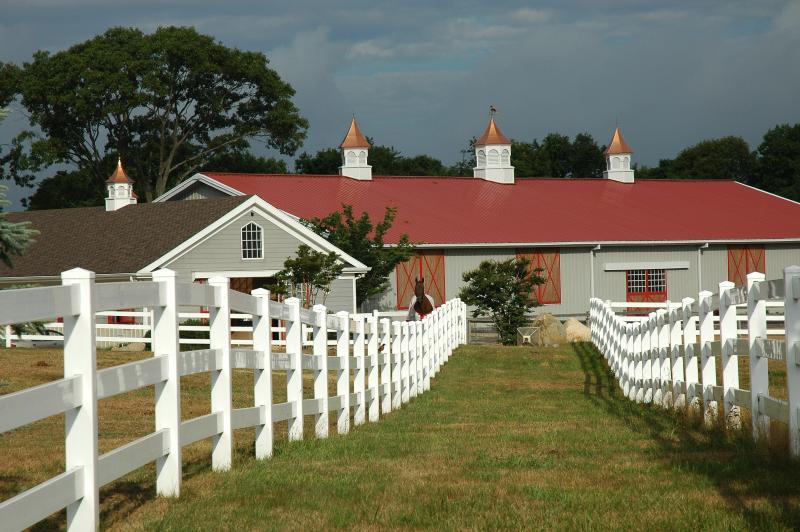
<point>493,155</point>
<point>120,189</point>
<point>355,148</point>
<point>618,159</point>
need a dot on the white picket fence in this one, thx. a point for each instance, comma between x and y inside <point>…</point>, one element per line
<point>390,363</point>
<point>655,358</point>
<point>118,334</point>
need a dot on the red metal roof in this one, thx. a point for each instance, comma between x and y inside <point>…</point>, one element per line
<point>458,210</point>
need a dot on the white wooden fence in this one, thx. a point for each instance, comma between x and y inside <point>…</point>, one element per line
<point>390,363</point>
<point>670,356</point>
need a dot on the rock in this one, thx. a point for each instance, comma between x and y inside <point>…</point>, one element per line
<point>577,331</point>
<point>134,346</point>
<point>550,330</point>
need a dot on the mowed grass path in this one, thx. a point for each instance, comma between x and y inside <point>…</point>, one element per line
<point>507,438</point>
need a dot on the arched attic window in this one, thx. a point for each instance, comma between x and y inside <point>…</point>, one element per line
<point>494,158</point>
<point>505,158</point>
<point>481,158</point>
<point>252,245</point>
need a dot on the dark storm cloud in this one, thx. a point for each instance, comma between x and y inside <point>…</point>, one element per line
<point>420,75</point>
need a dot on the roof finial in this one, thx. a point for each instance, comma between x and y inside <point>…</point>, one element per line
<point>492,111</point>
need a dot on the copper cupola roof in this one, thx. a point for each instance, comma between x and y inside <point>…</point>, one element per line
<point>492,135</point>
<point>354,137</point>
<point>618,144</point>
<point>119,175</point>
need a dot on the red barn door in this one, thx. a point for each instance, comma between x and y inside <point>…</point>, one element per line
<point>427,264</point>
<point>743,260</point>
<point>549,261</point>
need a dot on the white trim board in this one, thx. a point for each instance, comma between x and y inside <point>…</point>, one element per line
<point>649,265</point>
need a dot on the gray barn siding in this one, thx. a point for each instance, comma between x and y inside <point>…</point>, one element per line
<point>222,252</point>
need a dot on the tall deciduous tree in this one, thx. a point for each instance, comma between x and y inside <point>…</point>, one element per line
<point>359,238</point>
<point>167,102</point>
<point>309,274</point>
<point>14,237</point>
<point>779,161</point>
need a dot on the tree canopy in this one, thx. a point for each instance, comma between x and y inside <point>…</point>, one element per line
<point>166,102</point>
<point>723,158</point>
<point>308,275</point>
<point>778,169</point>
<point>359,238</point>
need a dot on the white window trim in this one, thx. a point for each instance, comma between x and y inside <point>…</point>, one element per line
<point>625,266</point>
<point>241,242</point>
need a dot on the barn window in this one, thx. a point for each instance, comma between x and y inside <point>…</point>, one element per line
<point>505,158</point>
<point>362,158</point>
<point>352,158</point>
<point>548,261</point>
<point>252,247</point>
<point>743,260</point>
<point>481,158</point>
<point>494,158</point>
<point>646,285</point>
<point>429,265</point>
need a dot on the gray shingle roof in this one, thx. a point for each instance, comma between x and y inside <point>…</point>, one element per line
<point>122,241</point>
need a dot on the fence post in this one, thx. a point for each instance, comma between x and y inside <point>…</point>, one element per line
<point>343,376</point>
<point>397,361</point>
<point>412,359</point>
<point>464,323</point>
<point>404,362</point>
<point>320,339</point>
<point>221,390</point>
<point>262,377</point>
<point>80,359</point>
<point>647,359</point>
<point>420,357</point>
<point>707,358</point>
<point>759,376</point>
<point>168,392</point>
<point>791,279</point>
<point>629,366</point>
<point>638,363</point>
<point>386,366</point>
<point>294,375</point>
<point>676,344</point>
<point>359,380</point>
<point>372,375</point>
<point>663,357</point>
<point>428,349</point>
<point>690,353</point>
<point>8,332</point>
<point>730,361</point>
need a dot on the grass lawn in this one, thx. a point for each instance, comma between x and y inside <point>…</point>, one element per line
<point>506,438</point>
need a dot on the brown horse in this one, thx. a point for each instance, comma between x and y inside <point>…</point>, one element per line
<point>422,304</point>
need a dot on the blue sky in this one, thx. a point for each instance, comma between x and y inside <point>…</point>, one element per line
<point>421,75</point>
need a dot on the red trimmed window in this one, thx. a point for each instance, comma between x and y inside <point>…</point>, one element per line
<point>645,286</point>
<point>548,260</point>
<point>428,264</point>
<point>743,260</point>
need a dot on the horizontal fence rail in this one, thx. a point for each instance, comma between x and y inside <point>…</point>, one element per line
<point>673,355</point>
<point>379,365</point>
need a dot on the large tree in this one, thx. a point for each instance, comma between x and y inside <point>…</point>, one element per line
<point>723,158</point>
<point>15,237</point>
<point>167,102</point>
<point>779,161</point>
<point>558,156</point>
<point>359,238</point>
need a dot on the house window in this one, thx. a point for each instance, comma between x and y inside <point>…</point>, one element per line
<point>743,260</point>
<point>251,242</point>
<point>646,285</point>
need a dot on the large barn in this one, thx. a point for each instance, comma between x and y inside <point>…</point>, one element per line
<point>616,238</point>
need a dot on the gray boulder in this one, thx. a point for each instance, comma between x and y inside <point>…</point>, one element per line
<point>549,330</point>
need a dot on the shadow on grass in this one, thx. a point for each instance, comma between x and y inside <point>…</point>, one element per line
<point>761,486</point>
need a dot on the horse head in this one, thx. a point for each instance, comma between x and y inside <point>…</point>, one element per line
<point>422,305</point>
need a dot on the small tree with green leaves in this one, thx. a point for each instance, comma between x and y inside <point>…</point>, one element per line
<point>14,237</point>
<point>308,275</point>
<point>360,239</point>
<point>502,290</point>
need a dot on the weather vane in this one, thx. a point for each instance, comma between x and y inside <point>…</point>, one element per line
<point>492,110</point>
